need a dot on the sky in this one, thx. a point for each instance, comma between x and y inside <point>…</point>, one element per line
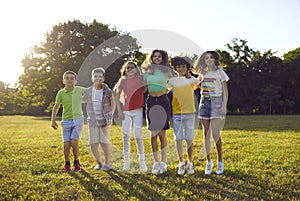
<point>210,24</point>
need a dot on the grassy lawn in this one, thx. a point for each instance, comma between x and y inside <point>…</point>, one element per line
<point>261,156</point>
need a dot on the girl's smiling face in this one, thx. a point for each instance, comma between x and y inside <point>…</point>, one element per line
<point>157,58</point>
<point>130,69</point>
<point>209,60</point>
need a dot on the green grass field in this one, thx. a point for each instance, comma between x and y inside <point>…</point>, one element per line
<point>261,156</point>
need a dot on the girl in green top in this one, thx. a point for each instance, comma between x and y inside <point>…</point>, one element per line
<point>158,109</point>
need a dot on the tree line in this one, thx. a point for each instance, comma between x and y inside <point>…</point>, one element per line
<point>260,82</point>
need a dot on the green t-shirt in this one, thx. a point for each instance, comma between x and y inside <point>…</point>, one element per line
<point>71,101</point>
<point>157,81</point>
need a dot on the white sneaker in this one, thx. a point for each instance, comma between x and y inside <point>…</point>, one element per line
<point>208,169</point>
<point>190,168</point>
<point>220,167</point>
<point>163,167</point>
<point>155,168</point>
<point>181,168</point>
<point>143,166</point>
<point>98,167</point>
<point>126,166</point>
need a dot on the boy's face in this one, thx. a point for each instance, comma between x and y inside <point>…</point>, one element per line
<point>98,78</point>
<point>69,80</point>
<point>181,69</point>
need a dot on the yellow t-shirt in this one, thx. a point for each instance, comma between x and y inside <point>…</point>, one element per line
<point>183,94</point>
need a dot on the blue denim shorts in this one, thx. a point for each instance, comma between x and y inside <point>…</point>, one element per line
<point>184,126</point>
<point>210,108</point>
<point>71,129</point>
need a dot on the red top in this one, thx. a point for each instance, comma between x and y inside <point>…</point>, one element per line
<point>133,92</point>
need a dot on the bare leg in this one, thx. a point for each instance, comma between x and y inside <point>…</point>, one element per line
<point>107,152</point>
<point>75,147</point>
<point>206,135</point>
<point>67,147</point>
<point>96,152</point>
<point>215,124</point>
<point>154,145</point>
<point>190,150</point>
<point>163,145</point>
<point>179,150</point>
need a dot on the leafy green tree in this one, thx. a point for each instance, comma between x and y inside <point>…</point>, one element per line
<point>2,95</point>
<point>291,73</point>
<point>250,73</point>
<point>66,47</point>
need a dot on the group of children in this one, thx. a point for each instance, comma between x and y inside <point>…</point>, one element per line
<point>158,78</point>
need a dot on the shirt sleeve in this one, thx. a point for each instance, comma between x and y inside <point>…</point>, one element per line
<point>83,90</point>
<point>224,76</point>
<point>195,81</point>
<point>58,98</point>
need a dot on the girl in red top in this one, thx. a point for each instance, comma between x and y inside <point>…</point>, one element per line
<point>130,96</point>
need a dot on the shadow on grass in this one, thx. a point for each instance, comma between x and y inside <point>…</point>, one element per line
<point>233,186</point>
<point>99,191</point>
<point>139,186</point>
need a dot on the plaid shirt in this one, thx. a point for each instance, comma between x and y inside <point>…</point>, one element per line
<point>108,107</point>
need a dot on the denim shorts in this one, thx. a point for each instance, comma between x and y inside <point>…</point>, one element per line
<point>184,126</point>
<point>210,108</point>
<point>158,111</point>
<point>71,129</point>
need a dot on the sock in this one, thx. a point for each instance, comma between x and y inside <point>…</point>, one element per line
<point>68,163</point>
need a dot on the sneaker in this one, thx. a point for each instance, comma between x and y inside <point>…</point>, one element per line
<point>208,169</point>
<point>98,166</point>
<point>156,168</point>
<point>220,167</point>
<point>163,167</point>
<point>106,168</point>
<point>181,168</point>
<point>126,166</point>
<point>190,168</point>
<point>143,166</point>
<point>67,169</point>
<point>77,167</point>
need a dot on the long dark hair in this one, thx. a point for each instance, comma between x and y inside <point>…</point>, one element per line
<point>200,62</point>
<point>147,64</point>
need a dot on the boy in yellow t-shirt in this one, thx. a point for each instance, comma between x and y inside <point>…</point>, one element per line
<point>72,118</point>
<point>183,109</point>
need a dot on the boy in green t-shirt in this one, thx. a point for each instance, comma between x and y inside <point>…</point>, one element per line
<point>72,118</point>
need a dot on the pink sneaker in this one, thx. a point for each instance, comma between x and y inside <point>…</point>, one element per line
<point>67,169</point>
<point>77,167</point>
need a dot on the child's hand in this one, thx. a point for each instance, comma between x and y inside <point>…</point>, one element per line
<point>121,115</point>
<point>188,75</point>
<point>223,110</point>
<point>105,86</point>
<point>54,125</point>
